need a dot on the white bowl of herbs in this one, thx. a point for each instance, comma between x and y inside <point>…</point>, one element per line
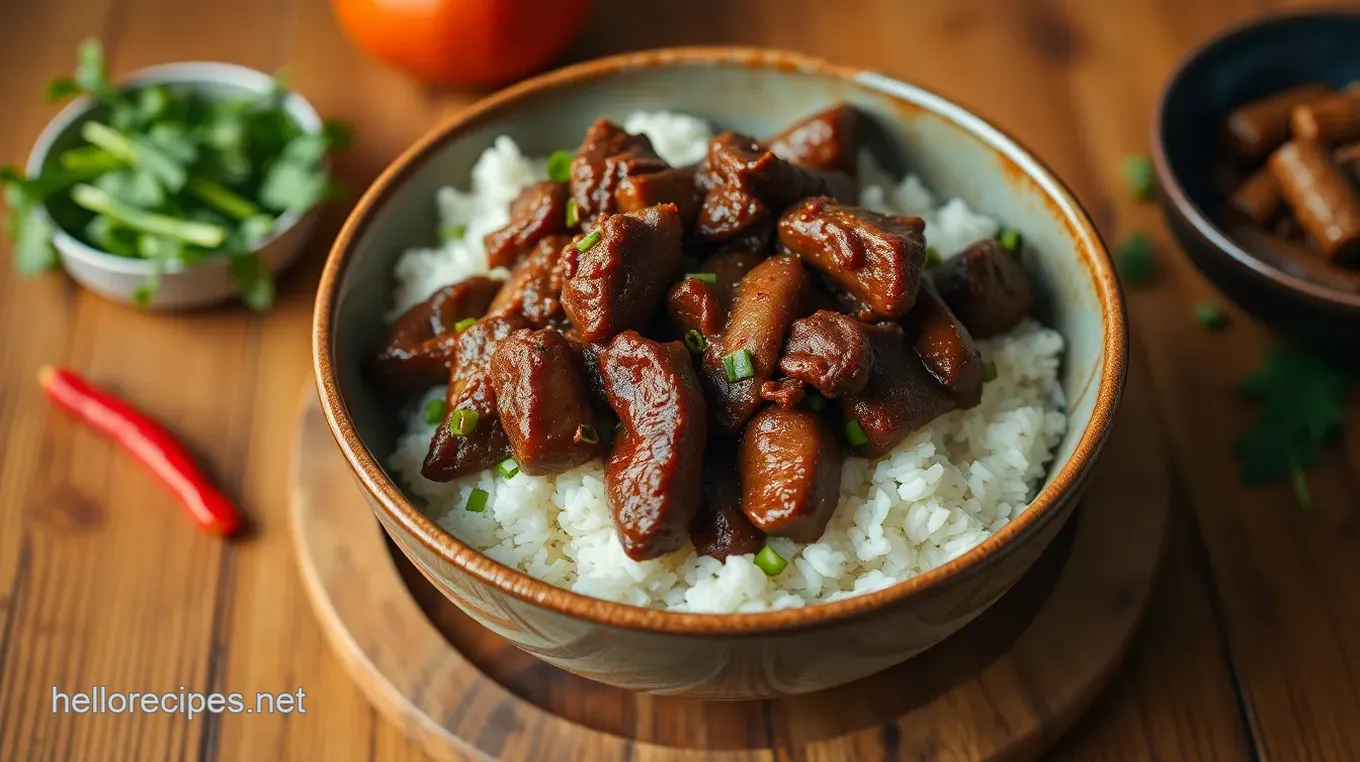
<point>185,185</point>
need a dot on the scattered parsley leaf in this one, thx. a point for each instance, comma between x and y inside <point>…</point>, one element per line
<point>1138,173</point>
<point>254,280</point>
<point>61,88</point>
<point>1302,401</point>
<point>1210,316</point>
<point>338,134</point>
<point>91,76</point>
<point>1137,259</point>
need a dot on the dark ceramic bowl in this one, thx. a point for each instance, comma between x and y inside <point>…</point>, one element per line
<point>1245,63</point>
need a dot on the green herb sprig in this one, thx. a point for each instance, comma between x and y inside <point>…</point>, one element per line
<point>169,174</point>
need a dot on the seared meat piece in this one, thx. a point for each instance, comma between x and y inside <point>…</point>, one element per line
<point>620,278</point>
<point>766,302</point>
<point>986,287</point>
<point>945,346</point>
<point>789,462</point>
<point>697,304</point>
<point>418,349</point>
<point>648,184</point>
<point>720,528</point>
<point>598,168</point>
<point>901,395</point>
<point>728,213</point>
<point>786,392</point>
<point>829,351</point>
<point>738,161</point>
<point>534,287</point>
<point>539,210</point>
<point>877,258</point>
<point>452,455</point>
<point>543,403</point>
<point>826,140</point>
<point>654,471</point>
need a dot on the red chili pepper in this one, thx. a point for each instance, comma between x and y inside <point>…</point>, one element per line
<point>149,442</point>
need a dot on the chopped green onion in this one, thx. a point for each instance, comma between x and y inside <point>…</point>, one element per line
<point>100,202</point>
<point>1136,259</point>
<point>222,198</point>
<point>1138,173</point>
<point>450,233</point>
<point>815,401</point>
<point>855,433</point>
<point>559,166</point>
<point>1210,316</point>
<point>704,277</point>
<point>464,421</point>
<point>1010,240</point>
<point>508,468</point>
<point>477,500</point>
<point>586,434</point>
<point>738,366</point>
<point>770,562</point>
<point>695,341</point>
<point>464,324</point>
<point>592,238</point>
<point>434,411</point>
<point>573,214</point>
<point>988,371</point>
<point>933,256</point>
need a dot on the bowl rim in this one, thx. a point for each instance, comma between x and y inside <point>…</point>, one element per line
<point>1168,180</point>
<point>174,73</point>
<point>392,502</point>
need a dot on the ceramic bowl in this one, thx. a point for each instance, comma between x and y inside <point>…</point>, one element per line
<point>728,656</point>
<point>182,287</point>
<point>1242,64</point>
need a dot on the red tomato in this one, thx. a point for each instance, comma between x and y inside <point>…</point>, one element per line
<point>465,42</point>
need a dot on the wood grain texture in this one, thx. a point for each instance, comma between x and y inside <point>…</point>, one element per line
<point>1004,688</point>
<point>1252,640</point>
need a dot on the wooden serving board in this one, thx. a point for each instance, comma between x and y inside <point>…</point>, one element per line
<point>1005,687</point>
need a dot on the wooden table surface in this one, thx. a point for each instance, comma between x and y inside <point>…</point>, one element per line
<point>1252,646</point>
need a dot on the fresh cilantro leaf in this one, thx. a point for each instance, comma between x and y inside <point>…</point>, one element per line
<point>61,88</point>
<point>143,295</point>
<point>1137,259</point>
<point>28,228</point>
<point>152,103</point>
<point>174,141</point>
<point>91,76</point>
<point>133,187</point>
<point>1210,316</point>
<point>254,280</point>
<point>338,134</point>
<point>1302,398</point>
<point>1139,174</point>
<point>159,248</point>
<point>289,185</point>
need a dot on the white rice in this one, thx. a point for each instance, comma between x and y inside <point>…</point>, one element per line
<point>940,493</point>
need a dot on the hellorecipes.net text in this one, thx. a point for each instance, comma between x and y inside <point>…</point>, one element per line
<point>98,699</point>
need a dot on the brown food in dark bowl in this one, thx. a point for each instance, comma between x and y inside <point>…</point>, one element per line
<point>1252,144</point>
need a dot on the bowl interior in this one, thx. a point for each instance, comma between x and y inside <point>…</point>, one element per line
<point>1244,65</point>
<point>956,154</point>
<point>215,80</point>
